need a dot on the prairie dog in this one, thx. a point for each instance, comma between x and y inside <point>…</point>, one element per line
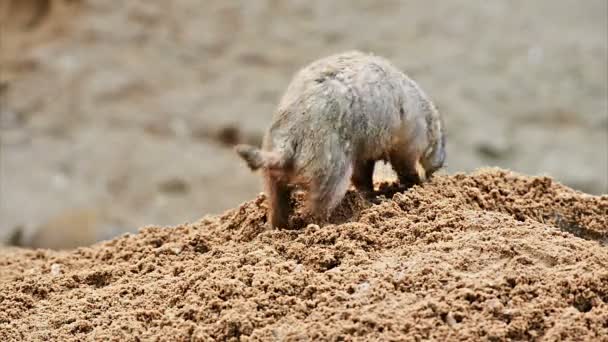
<point>339,115</point>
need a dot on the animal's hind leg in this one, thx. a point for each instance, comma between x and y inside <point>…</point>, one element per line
<point>363,176</point>
<point>327,192</point>
<point>279,194</point>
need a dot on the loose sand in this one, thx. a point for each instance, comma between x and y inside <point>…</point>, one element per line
<point>490,256</point>
<point>127,110</point>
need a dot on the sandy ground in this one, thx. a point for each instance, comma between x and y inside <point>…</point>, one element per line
<point>119,114</point>
<point>490,256</point>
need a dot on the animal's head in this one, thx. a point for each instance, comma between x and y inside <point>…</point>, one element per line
<point>434,156</point>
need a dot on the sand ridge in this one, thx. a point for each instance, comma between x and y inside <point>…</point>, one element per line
<point>491,255</point>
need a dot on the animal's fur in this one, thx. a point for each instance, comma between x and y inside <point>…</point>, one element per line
<point>339,116</point>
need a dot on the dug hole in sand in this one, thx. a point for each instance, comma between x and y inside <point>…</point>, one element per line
<point>488,256</point>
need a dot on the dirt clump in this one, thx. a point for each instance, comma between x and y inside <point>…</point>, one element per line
<point>487,256</point>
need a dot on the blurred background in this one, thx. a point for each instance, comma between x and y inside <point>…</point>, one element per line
<point>119,114</point>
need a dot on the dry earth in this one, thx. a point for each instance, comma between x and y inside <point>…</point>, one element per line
<point>489,256</point>
<point>116,114</point>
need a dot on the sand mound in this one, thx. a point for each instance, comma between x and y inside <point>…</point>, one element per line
<point>493,255</point>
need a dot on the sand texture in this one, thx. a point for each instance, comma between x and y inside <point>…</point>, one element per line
<point>492,255</point>
<point>127,110</point>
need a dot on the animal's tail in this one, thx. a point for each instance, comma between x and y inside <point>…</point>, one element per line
<point>257,158</point>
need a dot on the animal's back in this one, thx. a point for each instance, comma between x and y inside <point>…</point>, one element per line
<point>350,99</point>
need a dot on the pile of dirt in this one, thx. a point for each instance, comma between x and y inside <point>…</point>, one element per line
<point>126,110</point>
<point>491,255</point>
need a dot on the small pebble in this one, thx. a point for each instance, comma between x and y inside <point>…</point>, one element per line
<point>495,305</point>
<point>363,287</point>
<point>55,269</point>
